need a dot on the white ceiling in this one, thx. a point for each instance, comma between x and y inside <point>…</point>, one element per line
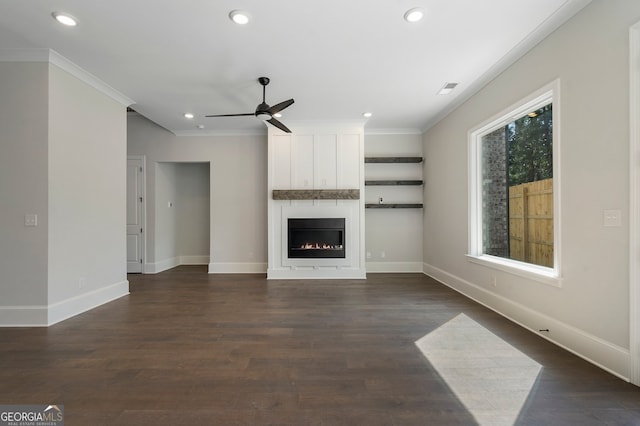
<point>336,58</point>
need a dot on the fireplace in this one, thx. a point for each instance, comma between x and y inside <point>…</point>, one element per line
<point>316,238</point>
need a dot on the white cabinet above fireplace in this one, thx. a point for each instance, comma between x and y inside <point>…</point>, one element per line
<point>316,161</point>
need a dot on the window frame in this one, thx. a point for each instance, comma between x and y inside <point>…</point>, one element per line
<point>550,93</point>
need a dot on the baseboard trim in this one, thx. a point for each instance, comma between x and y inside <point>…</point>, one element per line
<point>163,265</point>
<point>237,268</point>
<point>76,305</point>
<point>394,267</point>
<point>44,316</point>
<point>316,274</point>
<point>23,316</point>
<point>610,357</point>
<point>194,260</point>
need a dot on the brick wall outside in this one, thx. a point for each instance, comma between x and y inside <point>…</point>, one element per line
<point>495,194</point>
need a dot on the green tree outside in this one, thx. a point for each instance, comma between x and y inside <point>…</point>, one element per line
<point>530,147</point>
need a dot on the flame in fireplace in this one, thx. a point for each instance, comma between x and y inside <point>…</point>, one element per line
<point>320,246</point>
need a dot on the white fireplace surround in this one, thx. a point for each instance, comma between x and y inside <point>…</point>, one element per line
<point>349,267</point>
<point>311,159</point>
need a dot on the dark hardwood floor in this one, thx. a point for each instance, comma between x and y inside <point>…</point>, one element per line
<point>188,348</point>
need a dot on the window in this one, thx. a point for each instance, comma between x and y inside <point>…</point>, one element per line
<point>513,189</point>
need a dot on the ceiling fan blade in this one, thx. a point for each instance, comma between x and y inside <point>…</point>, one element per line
<point>279,107</point>
<point>231,115</point>
<point>279,125</point>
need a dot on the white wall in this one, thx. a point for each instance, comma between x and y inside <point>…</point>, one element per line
<point>166,213</point>
<point>238,192</point>
<point>87,183</point>
<point>392,240</point>
<point>23,186</point>
<point>63,159</point>
<point>589,314</point>
<point>238,199</point>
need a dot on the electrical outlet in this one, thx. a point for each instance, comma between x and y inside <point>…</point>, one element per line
<point>383,254</point>
<point>368,255</point>
<point>612,218</point>
<point>82,282</point>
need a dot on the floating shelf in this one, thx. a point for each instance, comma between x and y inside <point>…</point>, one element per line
<point>392,182</point>
<point>393,160</point>
<point>393,206</point>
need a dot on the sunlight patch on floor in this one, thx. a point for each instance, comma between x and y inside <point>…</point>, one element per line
<point>489,376</point>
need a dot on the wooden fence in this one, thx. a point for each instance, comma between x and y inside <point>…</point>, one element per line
<point>531,222</point>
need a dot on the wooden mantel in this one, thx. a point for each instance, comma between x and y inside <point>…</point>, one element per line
<point>316,194</point>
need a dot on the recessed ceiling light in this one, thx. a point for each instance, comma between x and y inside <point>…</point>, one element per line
<point>188,115</point>
<point>414,15</point>
<point>366,114</point>
<point>65,19</point>
<point>240,17</point>
<point>447,88</point>
<point>200,126</point>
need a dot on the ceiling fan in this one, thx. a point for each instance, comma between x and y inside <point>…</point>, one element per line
<point>263,111</point>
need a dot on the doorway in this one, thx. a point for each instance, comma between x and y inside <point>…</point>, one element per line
<point>182,214</point>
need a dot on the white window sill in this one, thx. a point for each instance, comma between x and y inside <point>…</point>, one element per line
<point>525,270</point>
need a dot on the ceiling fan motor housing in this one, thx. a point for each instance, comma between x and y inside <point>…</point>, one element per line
<point>262,111</point>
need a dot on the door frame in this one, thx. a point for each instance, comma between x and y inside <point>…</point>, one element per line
<point>143,207</point>
<point>634,204</point>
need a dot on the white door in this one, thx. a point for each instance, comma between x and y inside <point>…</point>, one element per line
<point>135,216</point>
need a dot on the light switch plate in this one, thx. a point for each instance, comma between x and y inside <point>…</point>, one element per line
<point>612,218</point>
<point>30,220</point>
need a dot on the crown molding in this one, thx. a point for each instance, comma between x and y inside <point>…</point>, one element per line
<point>323,123</point>
<point>564,13</point>
<point>228,132</point>
<point>63,63</point>
<point>52,57</point>
<point>392,131</point>
<point>300,124</point>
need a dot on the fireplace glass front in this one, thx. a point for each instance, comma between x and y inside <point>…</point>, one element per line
<point>316,237</point>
